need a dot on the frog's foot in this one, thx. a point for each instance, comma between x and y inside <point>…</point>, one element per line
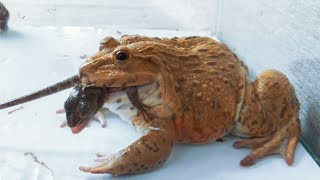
<point>284,142</point>
<point>98,116</point>
<point>146,154</point>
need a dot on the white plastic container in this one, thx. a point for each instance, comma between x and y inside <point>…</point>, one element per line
<point>48,39</point>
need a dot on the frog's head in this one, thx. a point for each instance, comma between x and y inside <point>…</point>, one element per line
<point>120,65</point>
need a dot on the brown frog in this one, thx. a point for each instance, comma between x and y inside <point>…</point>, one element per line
<point>189,90</point>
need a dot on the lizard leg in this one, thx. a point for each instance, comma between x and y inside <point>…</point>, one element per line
<point>147,153</point>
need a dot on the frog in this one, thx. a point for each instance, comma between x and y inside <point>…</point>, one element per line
<point>191,90</point>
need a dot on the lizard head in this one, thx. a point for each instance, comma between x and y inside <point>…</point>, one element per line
<point>82,104</point>
<point>120,65</point>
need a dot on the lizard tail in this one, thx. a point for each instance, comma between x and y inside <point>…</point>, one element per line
<point>60,86</point>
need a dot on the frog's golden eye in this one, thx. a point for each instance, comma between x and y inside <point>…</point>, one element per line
<point>121,56</point>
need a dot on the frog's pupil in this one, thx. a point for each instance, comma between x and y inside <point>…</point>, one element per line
<point>121,56</point>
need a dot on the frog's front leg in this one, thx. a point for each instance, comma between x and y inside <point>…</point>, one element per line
<point>147,153</point>
<point>269,118</point>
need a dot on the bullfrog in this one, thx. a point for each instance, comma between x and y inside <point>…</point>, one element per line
<point>189,90</point>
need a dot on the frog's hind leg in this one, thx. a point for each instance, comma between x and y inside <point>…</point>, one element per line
<point>269,118</point>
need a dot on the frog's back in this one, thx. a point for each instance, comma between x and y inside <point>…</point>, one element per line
<point>212,88</point>
<point>210,84</point>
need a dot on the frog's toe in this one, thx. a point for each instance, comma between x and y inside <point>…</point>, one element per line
<point>107,164</point>
<point>249,143</point>
<point>290,149</point>
<point>101,168</point>
<point>284,142</point>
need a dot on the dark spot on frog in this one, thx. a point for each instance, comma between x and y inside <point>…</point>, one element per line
<point>138,152</point>
<point>231,66</point>
<point>157,84</point>
<point>254,123</point>
<point>131,108</point>
<point>177,88</point>
<point>193,56</point>
<point>186,109</point>
<point>159,95</point>
<point>202,50</point>
<point>118,100</point>
<point>173,116</point>
<point>283,110</point>
<point>211,63</point>
<point>213,56</point>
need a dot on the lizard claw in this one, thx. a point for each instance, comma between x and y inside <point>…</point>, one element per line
<point>64,124</point>
<point>100,117</point>
<point>61,111</point>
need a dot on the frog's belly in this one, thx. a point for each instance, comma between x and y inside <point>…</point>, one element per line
<point>187,134</point>
<point>119,104</point>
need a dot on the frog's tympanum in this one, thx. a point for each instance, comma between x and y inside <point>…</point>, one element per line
<point>189,90</point>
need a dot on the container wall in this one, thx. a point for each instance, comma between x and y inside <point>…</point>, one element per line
<point>284,35</point>
<point>141,14</point>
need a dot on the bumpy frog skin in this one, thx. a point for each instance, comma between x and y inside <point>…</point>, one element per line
<point>188,90</point>
<point>196,91</point>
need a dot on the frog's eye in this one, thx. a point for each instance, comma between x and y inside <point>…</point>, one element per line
<point>121,56</point>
